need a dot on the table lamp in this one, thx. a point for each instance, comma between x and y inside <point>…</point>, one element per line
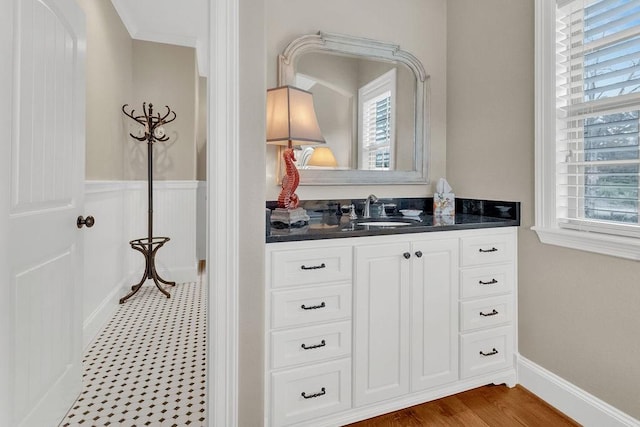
<point>291,121</point>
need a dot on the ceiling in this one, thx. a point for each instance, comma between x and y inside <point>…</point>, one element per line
<point>183,23</point>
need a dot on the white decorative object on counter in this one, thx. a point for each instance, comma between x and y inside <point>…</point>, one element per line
<point>411,212</point>
<point>444,200</point>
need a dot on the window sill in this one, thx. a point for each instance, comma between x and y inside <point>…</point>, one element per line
<point>618,246</point>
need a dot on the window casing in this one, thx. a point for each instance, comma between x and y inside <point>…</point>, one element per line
<point>587,124</point>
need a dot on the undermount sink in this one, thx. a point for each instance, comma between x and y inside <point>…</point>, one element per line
<point>385,223</point>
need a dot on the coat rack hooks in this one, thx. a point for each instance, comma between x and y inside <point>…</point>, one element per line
<point>153,131</point>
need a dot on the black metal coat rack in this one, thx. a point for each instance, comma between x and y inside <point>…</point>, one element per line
<point>149,246</point>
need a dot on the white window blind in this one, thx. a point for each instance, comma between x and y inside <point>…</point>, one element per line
<point>376,120</point>
<point>376,131</point>
<point>598,115</point>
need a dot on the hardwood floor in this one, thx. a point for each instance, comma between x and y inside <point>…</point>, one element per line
<point>493,406</point>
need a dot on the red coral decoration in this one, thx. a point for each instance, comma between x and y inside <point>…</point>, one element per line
<point>288,198</point>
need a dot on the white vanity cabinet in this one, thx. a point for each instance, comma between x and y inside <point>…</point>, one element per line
<point>487,302</point>
<point>308,340</point>
<point>434,318</point>
<point>357,327</point>
<point>382,308</point>
<point>405,322</point>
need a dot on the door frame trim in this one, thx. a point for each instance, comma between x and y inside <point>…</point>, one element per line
<point>7,20</point>
<point>222,215</point>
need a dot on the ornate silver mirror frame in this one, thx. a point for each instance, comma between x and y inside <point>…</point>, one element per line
<point>362,47</point>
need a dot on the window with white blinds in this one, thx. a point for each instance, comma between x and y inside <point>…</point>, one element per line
<point>598,115</point>
<point>376,111</point>
<point>376,131</point>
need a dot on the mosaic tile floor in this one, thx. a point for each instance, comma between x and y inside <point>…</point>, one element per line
<point>147,367</point>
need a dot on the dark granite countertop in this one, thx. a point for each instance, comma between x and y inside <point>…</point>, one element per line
<point>330,218</point>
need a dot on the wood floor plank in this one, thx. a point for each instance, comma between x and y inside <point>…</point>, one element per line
<point>531,410</point>
<point>448,412</point>
<point>488,406</point>
<point>493,408</point>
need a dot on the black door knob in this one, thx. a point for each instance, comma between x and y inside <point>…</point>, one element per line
<point>88,221</point>
<point>407,255</point>
<point>419,254</point>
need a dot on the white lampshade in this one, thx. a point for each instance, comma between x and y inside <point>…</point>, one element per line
<point>322,156</point>
<point>291,117</point>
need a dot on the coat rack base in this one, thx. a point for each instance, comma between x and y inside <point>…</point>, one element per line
<point>148,247</point>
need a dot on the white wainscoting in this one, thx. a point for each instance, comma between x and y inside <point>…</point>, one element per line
<point>104,246</point>
<point>201,221</point>
<point>576,403</point>
<point>120,210</point>
<point>174,216</point>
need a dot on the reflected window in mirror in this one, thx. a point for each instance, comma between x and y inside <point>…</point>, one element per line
<point>376,112</point>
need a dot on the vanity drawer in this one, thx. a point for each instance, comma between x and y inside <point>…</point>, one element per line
<point>311,266</point>
<point>485,312</point>
<point>310,392</point>
<point>486,281</point>
<point>310,344</point>
<point>486,249</point>
<point>308,305</point>
<point>486,351</point>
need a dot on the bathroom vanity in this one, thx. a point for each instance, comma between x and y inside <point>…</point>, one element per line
<point>364,320</point>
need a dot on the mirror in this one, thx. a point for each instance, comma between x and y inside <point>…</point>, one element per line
<point>371,102</point>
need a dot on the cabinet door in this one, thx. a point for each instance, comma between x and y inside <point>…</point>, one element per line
<point>381,322</point>
<point>434,328</point>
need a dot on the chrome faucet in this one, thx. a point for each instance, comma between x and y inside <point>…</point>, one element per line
<point>367,206</point>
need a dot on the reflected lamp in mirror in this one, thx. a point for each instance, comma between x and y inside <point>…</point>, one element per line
<point>291,121</point>
<point>322,157</point>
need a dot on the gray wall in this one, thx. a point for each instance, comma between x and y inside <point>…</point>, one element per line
<point>201,131</point>
<point>252,115</point>
<point>165,75</point>
<point>578,312</point>
<point>109,83</point>
<point>122,71</point>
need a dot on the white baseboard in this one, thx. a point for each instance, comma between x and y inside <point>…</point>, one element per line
<point>99,317</point>
<point>180,275</point>
<point>576,403</point>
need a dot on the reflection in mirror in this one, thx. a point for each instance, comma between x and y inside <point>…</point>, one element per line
<point>365,108</point>
<point>370,98</point>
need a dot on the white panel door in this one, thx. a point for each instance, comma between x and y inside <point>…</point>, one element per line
<point>434,299</point>
<point>381,322</point>
<point>46,189</point>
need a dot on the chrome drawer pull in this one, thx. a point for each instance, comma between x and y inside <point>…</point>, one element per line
<point>313,267</point>
<point>311,347</point>
<point>493,313</point>
<point>490,282</point>
<point>311,396</point>
<point>313,307</point>
<point>491,353</point>
<point>488,250</point>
